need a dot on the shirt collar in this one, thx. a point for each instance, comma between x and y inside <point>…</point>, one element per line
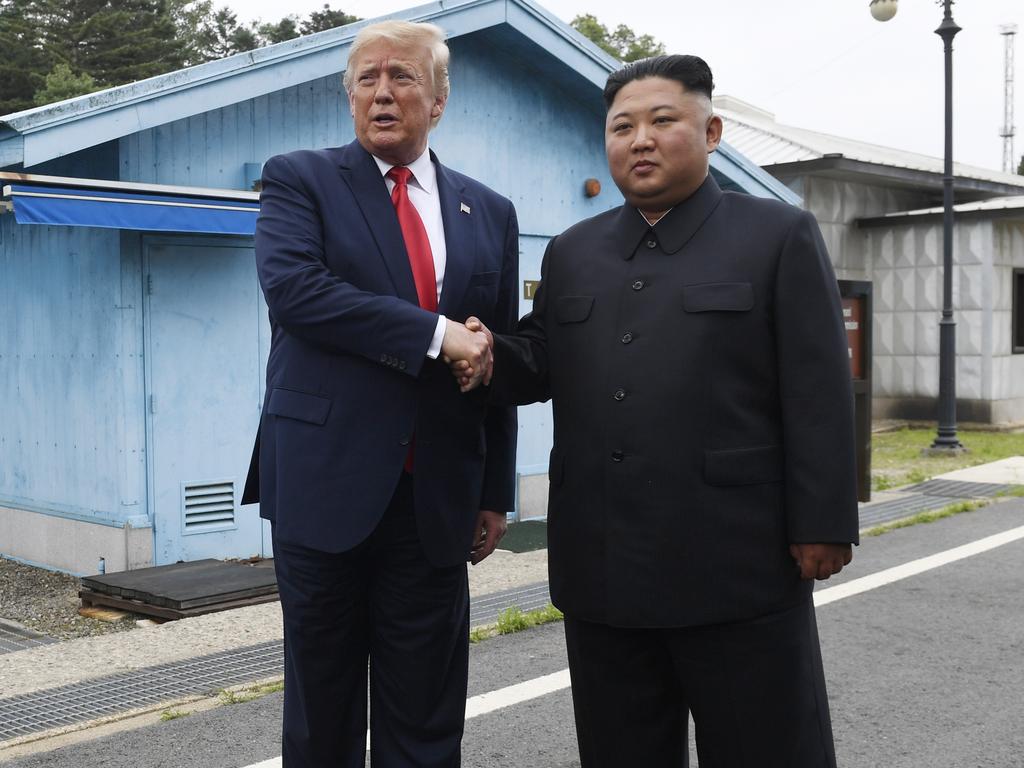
<point>423,172</point>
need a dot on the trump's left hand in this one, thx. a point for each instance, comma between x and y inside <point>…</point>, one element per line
<point>819,561</point>
<point>490,527</point>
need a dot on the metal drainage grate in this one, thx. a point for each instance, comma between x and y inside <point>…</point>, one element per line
<point>485,609</point>
<point>956,489</point>
<point>105,696</point>
<point>886,511</point>
<point>14,637</point>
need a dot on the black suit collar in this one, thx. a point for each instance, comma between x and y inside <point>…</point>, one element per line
<point>675,228</point>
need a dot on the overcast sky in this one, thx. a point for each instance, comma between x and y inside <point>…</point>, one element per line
<point>819,64</point>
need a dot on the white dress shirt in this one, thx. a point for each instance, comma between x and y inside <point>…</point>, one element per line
<point>427,202</point>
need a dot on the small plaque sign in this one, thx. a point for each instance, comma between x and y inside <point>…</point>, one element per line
<point>530,288</point>
<point>853,317</point>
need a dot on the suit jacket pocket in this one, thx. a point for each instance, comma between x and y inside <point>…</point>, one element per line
<point>718,297</point>
<point>484,278</point>
<point>298,405</point>
<point>743,466</point>
<point>573,309</point>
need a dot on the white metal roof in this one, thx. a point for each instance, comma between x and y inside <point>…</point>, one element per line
<point>755,133</point>
<point>1015,203</point>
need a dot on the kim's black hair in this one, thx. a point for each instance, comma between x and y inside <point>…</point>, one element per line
<point>692,72</point>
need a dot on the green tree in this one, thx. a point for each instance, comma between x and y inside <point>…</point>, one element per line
<point>285,29</point>
<point>113,41</point>
<point>217,34</point>
<point>328,18</point>
<point>23,62</point>
<point>622,43</point>
<point>62,84</point>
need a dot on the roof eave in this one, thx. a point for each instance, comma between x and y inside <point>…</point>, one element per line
<point>908,177</point>
<point>69,126</point>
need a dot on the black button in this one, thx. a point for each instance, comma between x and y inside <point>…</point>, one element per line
<point>652,243</point>
<point>627,337</point>
<point>638,285</point>
<point>403,440</point>
<point>620,394</point>
<point>618,455</point>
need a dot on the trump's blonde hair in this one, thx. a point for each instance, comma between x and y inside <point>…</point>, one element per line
<point>406,34</point>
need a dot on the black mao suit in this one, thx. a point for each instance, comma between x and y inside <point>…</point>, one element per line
<point>702,406</point>
<point>370,559</point>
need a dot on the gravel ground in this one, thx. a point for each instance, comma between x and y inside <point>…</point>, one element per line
<point>48,603</point>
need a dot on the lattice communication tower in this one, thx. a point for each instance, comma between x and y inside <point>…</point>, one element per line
<point>1008,31</point>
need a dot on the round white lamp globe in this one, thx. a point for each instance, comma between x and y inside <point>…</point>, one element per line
<point>883,10</point>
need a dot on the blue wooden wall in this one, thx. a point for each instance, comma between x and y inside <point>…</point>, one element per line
<point>71,431</point>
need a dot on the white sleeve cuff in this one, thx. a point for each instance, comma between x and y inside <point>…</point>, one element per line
<point>435,343</point>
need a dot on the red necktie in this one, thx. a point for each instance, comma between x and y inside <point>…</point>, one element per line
<point>421,259</point>
<point>416,241</point>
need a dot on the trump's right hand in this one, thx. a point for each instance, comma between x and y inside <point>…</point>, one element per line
<point>468,349</point>
<point>468,375</point>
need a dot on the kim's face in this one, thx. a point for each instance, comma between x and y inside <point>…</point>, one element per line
<point>658,137</point>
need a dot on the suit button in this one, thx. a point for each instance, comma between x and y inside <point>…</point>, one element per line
<point>403,440</point>
<point>627,337</point>
<point>652,243</point>
<point>401,365</point>
<point>618,455</point>
<point>638,285</point>
<point>620,394</point>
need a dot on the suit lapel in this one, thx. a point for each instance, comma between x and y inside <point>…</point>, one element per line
<point>459,237</point>
<point>363,177</point>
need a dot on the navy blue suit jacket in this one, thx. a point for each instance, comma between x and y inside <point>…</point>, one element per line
<point>348,380</point>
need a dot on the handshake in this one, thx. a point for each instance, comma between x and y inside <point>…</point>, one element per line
<point>468,352</point>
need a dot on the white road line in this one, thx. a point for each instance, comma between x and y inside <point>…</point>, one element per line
<point>492,701</point>
<point>517,694</point>
<point>914,567</point>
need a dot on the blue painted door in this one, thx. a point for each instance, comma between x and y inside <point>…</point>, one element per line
<point>204,366</point>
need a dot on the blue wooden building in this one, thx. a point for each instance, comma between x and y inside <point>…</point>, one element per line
<point>133,334</point>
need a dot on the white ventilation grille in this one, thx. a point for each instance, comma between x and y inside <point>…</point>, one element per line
<point>208,506</point>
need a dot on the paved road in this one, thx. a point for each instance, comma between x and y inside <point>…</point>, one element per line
<point>925,671</point>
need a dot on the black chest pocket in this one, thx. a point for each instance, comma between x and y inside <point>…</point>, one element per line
<point>718,297</point>
<point>573,309</point>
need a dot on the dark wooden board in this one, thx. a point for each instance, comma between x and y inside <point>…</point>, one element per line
<point>181,586</point>
<point>160,612</point>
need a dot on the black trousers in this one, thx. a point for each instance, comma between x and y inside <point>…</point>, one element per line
<point>756,690</point>
<point>385,605</point>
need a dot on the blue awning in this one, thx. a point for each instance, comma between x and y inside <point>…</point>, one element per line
<point>121,210</point>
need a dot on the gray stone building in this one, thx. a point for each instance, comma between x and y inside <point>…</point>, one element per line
<point>880,211</point>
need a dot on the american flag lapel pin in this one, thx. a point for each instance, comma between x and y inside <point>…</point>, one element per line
<point>463,208</point>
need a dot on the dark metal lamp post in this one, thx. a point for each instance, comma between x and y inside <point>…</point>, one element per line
<point>946,440</point>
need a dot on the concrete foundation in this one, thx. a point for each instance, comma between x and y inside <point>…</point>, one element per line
<point>74,546</point>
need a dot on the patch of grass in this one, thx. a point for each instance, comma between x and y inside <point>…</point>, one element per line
<point>896,458</point>
<point>249,693</point>
<point>513,619</point>
<point>1013,492</point>
<point>927,517</point>
<point>172,714</point>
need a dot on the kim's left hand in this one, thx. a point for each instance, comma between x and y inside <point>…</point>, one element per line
<point>490,527</point>
<point>819,561</point>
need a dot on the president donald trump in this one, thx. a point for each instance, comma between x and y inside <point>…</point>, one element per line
<point>379,478</point>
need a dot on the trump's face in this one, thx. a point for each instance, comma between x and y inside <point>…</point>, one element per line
<point>658,137</point>
<point>393,101</point>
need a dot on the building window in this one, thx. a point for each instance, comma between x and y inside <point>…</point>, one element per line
<point>1018,311</point>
